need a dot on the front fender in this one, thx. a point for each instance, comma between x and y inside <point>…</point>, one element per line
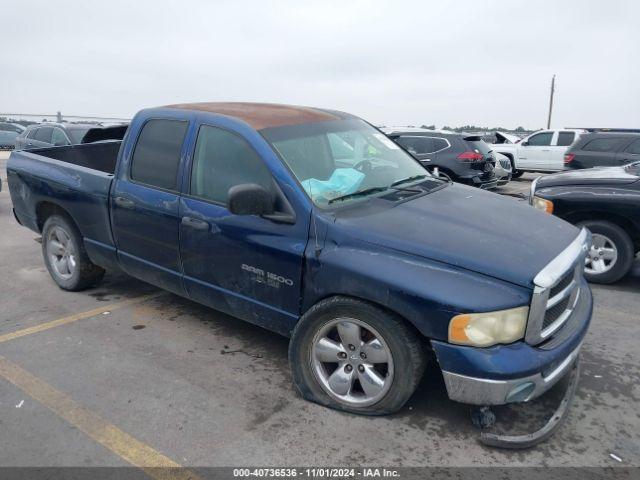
<point>425,292</point>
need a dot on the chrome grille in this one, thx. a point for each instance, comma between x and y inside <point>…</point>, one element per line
<point>553,313</point>
<point>557,291</point>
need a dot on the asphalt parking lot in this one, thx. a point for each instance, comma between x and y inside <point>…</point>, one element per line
<point>124,373</point>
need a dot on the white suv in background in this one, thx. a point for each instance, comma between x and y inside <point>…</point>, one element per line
<point>542,151</point>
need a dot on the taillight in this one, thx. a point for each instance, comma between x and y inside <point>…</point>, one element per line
<point>470,156</point>
<point>568,157</point>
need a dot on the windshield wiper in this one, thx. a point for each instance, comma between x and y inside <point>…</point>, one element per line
<point>408,179</point>
<point>359,193</point>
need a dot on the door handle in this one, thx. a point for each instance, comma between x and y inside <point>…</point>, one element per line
<point>124,202</point>
<point>195,223</point>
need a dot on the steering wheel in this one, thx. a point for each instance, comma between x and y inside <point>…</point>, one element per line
<point>363,166</point>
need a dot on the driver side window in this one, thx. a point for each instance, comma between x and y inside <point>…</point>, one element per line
<point>540,139</point>
<point>222,160</point>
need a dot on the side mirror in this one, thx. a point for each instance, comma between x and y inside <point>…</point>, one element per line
<point>525,144</point>
<point>250,199</point>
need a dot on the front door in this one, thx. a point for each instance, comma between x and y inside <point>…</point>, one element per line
<point>535,152</point>
<point>247,266</point>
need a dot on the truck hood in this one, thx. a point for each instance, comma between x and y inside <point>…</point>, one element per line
<point>589,176</point>
<point>503,137</point>
<point>466,227</point>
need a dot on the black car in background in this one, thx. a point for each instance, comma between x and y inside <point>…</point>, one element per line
<point>603,149</point>
<point>605,200</point>
<point>463,158</point>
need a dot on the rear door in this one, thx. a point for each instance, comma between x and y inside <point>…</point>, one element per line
<point>145,204</point>
<point>420,146</point>
<point>245,265</point>
<point>631,153</point>
<point>561,143</point>
<point>535,152</point>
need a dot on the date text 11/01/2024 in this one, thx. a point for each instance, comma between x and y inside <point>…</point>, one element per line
<point>316,472</point>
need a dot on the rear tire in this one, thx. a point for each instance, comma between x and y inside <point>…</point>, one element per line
<point>65,256</point>
<point>611,255</point>
<point>379,360</point>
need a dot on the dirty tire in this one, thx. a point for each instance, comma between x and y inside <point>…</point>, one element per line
<point>623,244</point>
<point>85,273</point>
<point>516,173</point>
<point>406,347</point>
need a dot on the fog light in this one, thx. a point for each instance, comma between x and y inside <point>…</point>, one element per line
<point>521,392</point>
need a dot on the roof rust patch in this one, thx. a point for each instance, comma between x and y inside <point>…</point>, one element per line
<point>261,115</point>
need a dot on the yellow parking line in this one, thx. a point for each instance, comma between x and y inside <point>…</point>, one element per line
<point>75,317</point>
<point>121,443</point>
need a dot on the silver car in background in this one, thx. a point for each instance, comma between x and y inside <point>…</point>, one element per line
<point>8,133</point>
<point>503,169</point>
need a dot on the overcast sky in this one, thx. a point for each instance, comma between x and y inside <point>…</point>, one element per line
<point>397,63</point>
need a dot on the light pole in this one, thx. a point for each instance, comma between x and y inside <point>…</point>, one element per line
<point>553,84</point>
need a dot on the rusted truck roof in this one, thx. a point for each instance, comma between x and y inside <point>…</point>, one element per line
<point>263,115</point>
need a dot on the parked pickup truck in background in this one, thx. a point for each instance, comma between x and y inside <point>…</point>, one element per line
<point>542,151</point>
<point>607,202</point>
<point>359,255</point>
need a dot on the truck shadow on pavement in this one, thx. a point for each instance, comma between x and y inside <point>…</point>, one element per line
<point>264,354</point>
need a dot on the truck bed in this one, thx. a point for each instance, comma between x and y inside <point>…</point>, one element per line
<point>76,179</point>
<point>97,156</point>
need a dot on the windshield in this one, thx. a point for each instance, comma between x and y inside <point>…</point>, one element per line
<point>76,134</point>
<point>345,160</point>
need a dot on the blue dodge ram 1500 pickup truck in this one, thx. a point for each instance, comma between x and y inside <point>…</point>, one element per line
<point>313,224</point>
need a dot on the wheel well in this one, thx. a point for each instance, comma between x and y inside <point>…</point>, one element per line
<point>45,209</point>
<point>619,220</point>
<point>406,321</point>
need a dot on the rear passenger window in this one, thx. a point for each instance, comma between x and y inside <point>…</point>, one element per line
<point>417,145</point>
<point>157,154</point>
<point>43,134</point>
<point>540,139</point>
<point>439,144</point>
<point>58,138</point>
<point>222,160</point>
<point>565,138</point>
<point>602,145</point>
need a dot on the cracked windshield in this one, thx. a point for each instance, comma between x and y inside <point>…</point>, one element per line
<point>345,160</point>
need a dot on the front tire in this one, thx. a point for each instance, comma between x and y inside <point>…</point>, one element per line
<point>611,255</point>
<point>65,256</point>
<point>349,355</point>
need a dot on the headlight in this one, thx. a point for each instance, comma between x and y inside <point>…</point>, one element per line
<point>486,329</point>
<point>542,204</point>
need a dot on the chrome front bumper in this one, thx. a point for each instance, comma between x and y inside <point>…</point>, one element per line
<point>483,391</point>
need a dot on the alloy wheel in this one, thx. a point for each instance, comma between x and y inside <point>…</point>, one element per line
<point>352,362</point>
